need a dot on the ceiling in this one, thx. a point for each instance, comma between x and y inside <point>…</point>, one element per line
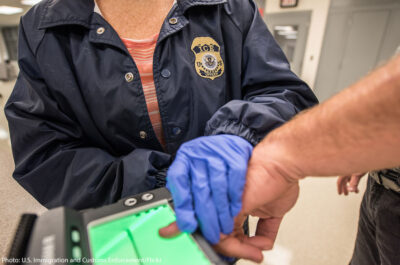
<point>9,20</point>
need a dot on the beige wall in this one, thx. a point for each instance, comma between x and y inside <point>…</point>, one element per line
<point>316,32</point>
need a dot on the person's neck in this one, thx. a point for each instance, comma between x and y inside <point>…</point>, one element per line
<point>135,19</point>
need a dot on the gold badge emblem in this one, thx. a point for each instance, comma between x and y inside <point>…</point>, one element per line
<point>208,62</point>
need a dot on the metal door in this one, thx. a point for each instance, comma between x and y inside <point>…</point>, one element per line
<point>356,41</point>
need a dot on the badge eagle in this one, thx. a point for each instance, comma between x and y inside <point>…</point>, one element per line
<point>208,61</point>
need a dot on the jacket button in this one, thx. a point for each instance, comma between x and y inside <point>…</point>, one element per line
<point>165,73</point>
<point>143,135</point>
<point>100,30</point>
<point>129,77</point>
<point>173,20</point>
<point>176,131</point>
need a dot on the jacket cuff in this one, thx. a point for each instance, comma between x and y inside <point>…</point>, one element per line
<point>161,178</point>
<point>144,170</point>
<point>233,127</point>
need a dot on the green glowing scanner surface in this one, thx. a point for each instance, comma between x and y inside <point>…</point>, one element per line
<point>134,239</point>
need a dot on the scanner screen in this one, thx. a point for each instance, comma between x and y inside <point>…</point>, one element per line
<point>134,239</point>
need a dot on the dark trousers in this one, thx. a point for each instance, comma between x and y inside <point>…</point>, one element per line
<point>378,236</point>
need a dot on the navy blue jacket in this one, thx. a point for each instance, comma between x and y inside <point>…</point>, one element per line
<point>80,132</point>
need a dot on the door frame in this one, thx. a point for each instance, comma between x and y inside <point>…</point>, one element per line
<point>300,18</point>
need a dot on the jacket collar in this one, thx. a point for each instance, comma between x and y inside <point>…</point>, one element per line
<point>79,12</point>
<point>66,12</point>
<point>186,4</point>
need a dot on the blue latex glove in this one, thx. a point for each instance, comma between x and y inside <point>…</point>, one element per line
<point>206,180</point>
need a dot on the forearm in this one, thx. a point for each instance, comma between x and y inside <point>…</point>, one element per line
<point>355,131</point>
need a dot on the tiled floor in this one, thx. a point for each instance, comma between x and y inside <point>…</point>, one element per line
<point>320,230</point>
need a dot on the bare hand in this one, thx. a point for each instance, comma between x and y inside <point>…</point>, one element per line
<point>347,184</point>
<point>271,190</point>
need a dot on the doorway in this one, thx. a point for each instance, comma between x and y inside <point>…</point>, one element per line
<point>290,30</point>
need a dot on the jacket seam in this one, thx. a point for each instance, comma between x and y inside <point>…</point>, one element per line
<point>202,3</point>
<point>43,13</point>
<point>60,23</point>
<point>233,21</point>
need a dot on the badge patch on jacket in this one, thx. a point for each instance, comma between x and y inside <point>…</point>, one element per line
<point>208,61</point>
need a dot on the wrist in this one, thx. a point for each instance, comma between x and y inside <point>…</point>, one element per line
<point>277,154</point>
<point>270,176</point>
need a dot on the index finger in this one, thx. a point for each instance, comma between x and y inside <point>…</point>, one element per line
<point>267,230</point>
<point>178,183</point>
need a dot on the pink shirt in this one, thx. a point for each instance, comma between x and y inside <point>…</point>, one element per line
<point>142,52</point>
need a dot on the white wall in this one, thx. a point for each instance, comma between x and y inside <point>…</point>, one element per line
<point>3,49</point>
<point>320,9</point>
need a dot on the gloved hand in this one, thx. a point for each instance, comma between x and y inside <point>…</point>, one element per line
<point>207,180</point>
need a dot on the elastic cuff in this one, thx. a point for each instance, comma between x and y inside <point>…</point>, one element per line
<point>161,178</point>
<point>234,127</point>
